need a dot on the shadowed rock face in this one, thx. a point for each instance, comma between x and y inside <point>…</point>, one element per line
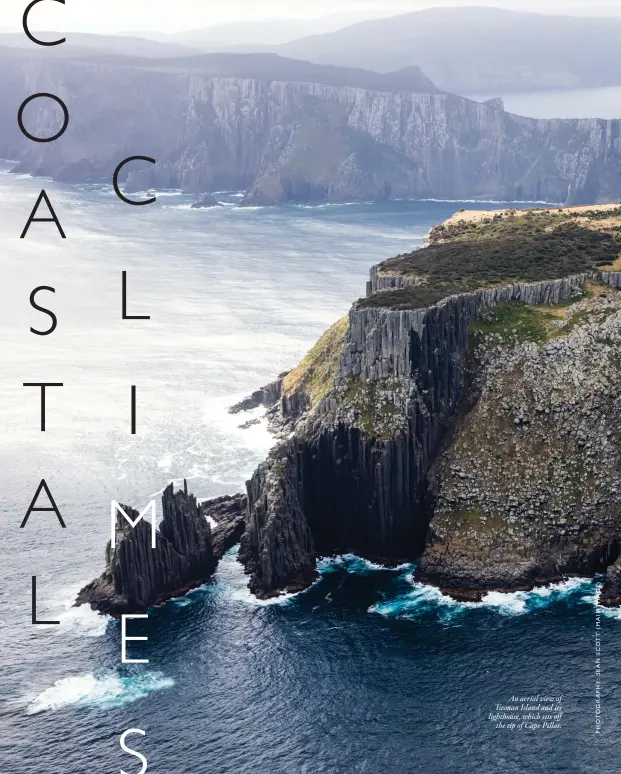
<point>188,532</point>
<point>138,576</point>
<point>229,513</point>
<point>610,595</point>
<point>344,483</point>
<point>295,135</point>
<point>277,548</point>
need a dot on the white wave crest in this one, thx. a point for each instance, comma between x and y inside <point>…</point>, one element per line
<point>108,691</point>
<point>74,621</point>
<point>421,599</point>
<point>83,622</point>
<point>613,613</point>
<point>231,577</point>
<point>357,565</point>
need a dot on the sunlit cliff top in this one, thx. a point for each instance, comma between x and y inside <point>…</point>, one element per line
<point>484,249</point>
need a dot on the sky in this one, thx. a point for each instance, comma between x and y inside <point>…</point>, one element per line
<point>108,16</point>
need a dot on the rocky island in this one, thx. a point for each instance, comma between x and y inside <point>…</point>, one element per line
<point>186,554</point>
<point>466,413</point>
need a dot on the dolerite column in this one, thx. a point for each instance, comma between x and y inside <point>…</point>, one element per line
<point>188,531</point>
<point>610,595</point>
<point>141,574</point>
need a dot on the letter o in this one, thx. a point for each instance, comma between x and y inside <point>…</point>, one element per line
<point>20,117</point>
<point>115,181</point>
<point>30,35</point>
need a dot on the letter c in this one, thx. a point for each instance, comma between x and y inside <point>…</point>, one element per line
<point>30,35</point>
<point>129,750</point>
<point>115,181</point>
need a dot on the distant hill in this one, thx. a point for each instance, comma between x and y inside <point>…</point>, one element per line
<point>78,42</point>
<point>262,67</point>
<point>478,50</point>
<point>141,53</point>
<point>262,33</point>
<point>271,67</point>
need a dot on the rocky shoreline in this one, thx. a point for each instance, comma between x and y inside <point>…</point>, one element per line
<point>476,432</point>
<point>487,447</point>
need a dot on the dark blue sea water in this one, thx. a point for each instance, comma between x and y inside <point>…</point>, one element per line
<point>366,671</point>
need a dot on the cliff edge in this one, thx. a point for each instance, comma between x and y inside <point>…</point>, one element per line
<point>282,130</point>
<point>466,413</point>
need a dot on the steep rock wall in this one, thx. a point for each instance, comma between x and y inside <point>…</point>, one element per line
<point>345,486</point>
<point>384,281</point>
<point>528,490</point>
<point>299,140</point>
<point>277,548</point>
<point>186,553</point>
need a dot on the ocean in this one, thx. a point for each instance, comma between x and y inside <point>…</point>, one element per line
<point>602,102</point>
<point>367,671</point>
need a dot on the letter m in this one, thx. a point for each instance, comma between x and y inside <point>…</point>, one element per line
<point>116,508</point>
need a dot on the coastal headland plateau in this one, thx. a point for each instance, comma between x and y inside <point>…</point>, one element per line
<point>464,415</point>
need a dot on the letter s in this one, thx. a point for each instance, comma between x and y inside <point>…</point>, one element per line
<point>34,305</point>
<point>138,755</point>
<point>27,30</point>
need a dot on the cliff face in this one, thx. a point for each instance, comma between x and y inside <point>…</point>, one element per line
<point>138,576</point>
<point>296,140</point>
<point>528,490</point>
<point>277,547</point>
<point>610,595</point>
<point>490,415</point>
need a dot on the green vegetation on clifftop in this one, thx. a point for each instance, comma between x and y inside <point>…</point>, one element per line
<point>513,322</point>
<point>316,373</point>
<point>465,255</point>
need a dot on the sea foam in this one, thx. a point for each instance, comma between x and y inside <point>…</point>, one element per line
<point>106,691</point>
<point>357,565</point>
<point>233,582</point>
<point>421,599</point>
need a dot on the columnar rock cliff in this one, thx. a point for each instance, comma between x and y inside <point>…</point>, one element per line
<point>528,490</point>
<point>286,139</point>
<point>479,430</point>
<point>186,554</point>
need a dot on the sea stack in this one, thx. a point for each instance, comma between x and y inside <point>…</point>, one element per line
<point>138,576</point>
<point>207,202</point>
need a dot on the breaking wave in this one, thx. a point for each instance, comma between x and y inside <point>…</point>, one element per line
<point>419,600</point>
<point>356,565</point>
<point>107,691</point>
<point>233,581</point>
<point>83,622</point>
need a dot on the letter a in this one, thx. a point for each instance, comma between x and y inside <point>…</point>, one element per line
<point>32,219</point>
<point>53,507</point>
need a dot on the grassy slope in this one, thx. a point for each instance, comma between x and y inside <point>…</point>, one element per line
<point>463,255</point>
<point>316,373</point>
